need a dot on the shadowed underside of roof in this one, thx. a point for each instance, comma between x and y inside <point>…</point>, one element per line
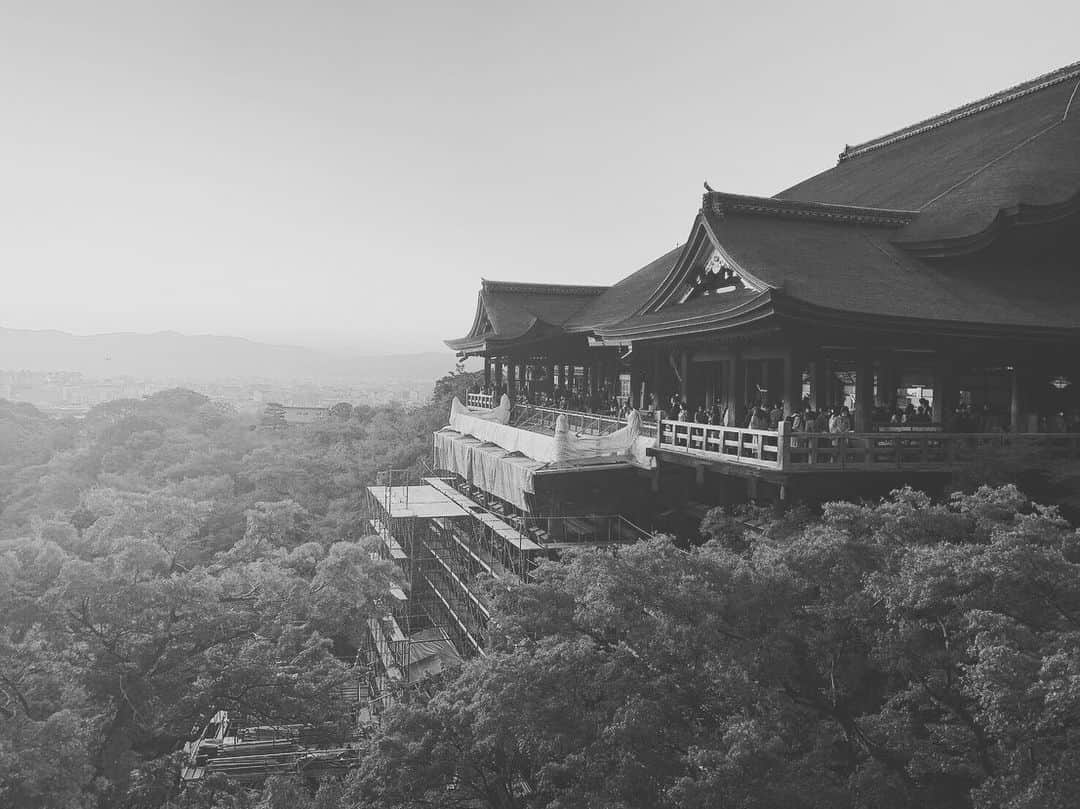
<point>961,168</point>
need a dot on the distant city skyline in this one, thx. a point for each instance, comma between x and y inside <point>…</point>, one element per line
<point>342,176</point>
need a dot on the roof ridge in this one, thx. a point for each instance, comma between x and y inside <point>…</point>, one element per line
<point>720,202</point>
<point>1020,90</point>
<point>535,287</point>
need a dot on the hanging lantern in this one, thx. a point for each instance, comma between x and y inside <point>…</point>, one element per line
<point>1060,382</point>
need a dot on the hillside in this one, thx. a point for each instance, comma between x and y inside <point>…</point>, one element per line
<point>170,354</point>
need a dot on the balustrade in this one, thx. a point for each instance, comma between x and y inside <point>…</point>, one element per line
<point>482,401</point>
<point>821,452</point>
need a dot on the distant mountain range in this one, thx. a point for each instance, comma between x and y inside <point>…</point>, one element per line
<point>171,355</point>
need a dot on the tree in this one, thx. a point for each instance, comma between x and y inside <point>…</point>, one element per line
<point>900,654</point>
<point>341,410</point>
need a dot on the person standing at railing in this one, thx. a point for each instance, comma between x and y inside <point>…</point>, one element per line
<point>700,416</point>
<point>821,421</point>
<point>682,414</point>
<point>798,425</point>
<point>759,419</point>
<point>841,421</point>
<point>776,415</point>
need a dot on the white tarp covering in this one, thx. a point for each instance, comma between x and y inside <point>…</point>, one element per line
<point>500,414</point>
<point>571,447</point>
<point>563,446</point>
<point>506,475</point>
<point>537,446</point>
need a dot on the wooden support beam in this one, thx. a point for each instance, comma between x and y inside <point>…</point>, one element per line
<point>737,397</point>
<point>864,393</point>
<point>946,391</point>
<point>819,383</point>
<point>792,383</point>
<point>1015,402</point>
<point>684,372</point>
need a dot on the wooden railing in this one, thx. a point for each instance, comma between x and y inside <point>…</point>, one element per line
<point>482,401</point>
<point>824,452</point>
<point>534,417</point>
<point>753,447</point>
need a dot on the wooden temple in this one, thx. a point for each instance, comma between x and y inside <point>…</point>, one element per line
<point>929,282</point>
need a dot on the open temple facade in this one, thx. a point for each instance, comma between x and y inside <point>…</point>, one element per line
<point>878,324</point>
<point>929,283</point>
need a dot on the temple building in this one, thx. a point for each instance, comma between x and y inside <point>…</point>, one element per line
<point>881,323</point>
<point>937,266</point>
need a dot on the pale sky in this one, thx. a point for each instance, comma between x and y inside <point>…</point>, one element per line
<point>346,172</point>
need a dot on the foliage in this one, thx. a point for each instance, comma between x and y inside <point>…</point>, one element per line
<point>165,558</point>
<point>903,654</point>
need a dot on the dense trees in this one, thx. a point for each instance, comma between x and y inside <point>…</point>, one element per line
<point>165,558</point>
<point>900,654</point>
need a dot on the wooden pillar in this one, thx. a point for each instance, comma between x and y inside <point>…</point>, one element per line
<point>684,385</point>
<point>662,396</point>
<point>1015,403</point>
<point>637,381</point>
<point>737,397</point>
<point>498,372</point>
<point>511,380</point>
<point>819,383</point>
<point>888,382</point>
<point>946,392</point>
<point>487,372</point>
<point>864,393</point>
<point>792,383</point>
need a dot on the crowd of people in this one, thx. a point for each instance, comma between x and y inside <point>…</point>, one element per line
<point>765,416</point>
<point>576,399</point>
<point>762,415</point>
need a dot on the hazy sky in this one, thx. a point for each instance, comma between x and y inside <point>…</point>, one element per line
<point>346,172</point>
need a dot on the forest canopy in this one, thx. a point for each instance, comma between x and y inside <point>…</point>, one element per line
<point>165,558</point>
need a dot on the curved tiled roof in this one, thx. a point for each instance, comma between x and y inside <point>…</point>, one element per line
<point>859,241</point>
<point>509,311</point>
<point>961,168</point>
<point>622,300</point>
<point>855,272</point>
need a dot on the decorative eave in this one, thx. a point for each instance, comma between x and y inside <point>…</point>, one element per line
<point>721,203</point>
<point>701,239</point>
<point>973,108</point>
<point>537,335</point>
<point>751,311</point>
<point>795,311</point>
<point>1020,215</point>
